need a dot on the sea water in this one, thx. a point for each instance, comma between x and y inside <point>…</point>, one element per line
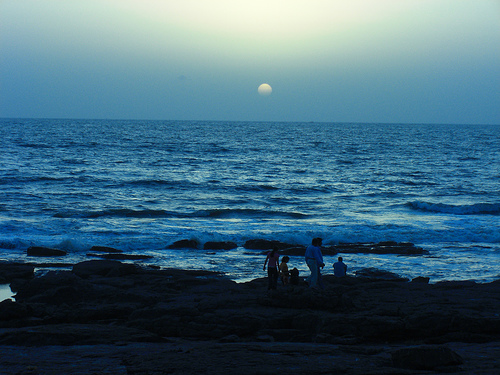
<point>139,186</point>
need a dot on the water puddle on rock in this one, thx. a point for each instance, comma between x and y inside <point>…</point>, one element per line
<point>5,292</point>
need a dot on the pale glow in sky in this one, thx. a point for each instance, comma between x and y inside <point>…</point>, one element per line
<point>434,61</point>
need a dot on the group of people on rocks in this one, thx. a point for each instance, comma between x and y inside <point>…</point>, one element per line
<point>314,260</point>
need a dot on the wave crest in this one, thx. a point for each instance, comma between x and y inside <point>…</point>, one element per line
<point>472,209</point>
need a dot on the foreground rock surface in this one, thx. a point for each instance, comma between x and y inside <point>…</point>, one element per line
<point>108,317</point>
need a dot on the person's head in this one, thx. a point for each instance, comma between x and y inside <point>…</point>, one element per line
<point>285,259</point>
<point>275,250</point>
<point>317,241</point>
<point>340,259</point>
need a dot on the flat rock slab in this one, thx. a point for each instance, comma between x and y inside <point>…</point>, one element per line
<point>202,322</point>
<point>209,357</point>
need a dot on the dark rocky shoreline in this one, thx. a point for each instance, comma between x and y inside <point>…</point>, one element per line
<point>108,317</point>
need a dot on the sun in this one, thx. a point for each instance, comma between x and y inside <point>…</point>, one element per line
<point>265,89</point>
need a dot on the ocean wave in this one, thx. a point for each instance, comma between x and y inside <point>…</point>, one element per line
<point>155,182</point>
<point>147,213</point>
<point>36,145</point>
<point>230,213</point>
<point>28,179</point>
<point>472,209</point>
<point>256,188</point>
<point>118,212</point>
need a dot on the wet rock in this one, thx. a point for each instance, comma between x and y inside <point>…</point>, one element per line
<point>121,256</point>
<point>230,338</point>
<point>105,249</point>
<point>420,279</point>
<point>10,271</point>
<point>10,310</point>
<point>426,358</point>
<point>55,287</point>
<point>103,268</point>
<point>219,245</point>
<point>74,334</point>
<point>184,244</point>
<point>376,274</point>
<point>41,251</point>
<point>385,247</point>
<point>265,338</point>
<point>109,306</point>
<point>261,244</point>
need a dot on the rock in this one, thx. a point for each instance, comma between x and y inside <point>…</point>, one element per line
<point>265,338</point>
<point>215,325</point>
<point>420,279</point>
<point>10,271</point>
<point>425,358</point>
<point>120,256</point>
<point>11,310</point>
<point>41,251</point>
<point>260,244</point>
<point>385,247</point>
<point>455,284</point>
<point>103,268</point>
<point>184,244</point>
<point>388,243</point>
<point>219,245</point>
<point>328,250</point>
<point>296,251</point>
<point>105,249</point>
<point>230,338</point>
<point>373,273</point>
<point>74,334</point>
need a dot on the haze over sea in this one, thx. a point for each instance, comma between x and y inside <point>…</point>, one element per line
<point>141,185</point>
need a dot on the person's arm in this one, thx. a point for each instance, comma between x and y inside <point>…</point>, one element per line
<point>319,257</point>
<point>265,262</point>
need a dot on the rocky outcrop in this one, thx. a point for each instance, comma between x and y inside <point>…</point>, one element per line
<point>41,251</point>
<point>103,268</point>
<point>10,271</point>
<point>397,325</point>
<point>105,252</point>
<point>260,244</point>
<point>202,304</point>
<point>376,274</point>
<point>427,358</point>
<point>105,249</point>
<point>386,247</point>
<point>225,245</point>
<point>184,244</point>
<point>120,256</point>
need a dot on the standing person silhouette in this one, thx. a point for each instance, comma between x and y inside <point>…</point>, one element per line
<point>273,257</point>
<point>314,260</point>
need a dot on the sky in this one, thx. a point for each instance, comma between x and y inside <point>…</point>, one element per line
<point>375,61</point>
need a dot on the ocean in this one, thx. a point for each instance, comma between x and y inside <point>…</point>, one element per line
<point>139,186</point>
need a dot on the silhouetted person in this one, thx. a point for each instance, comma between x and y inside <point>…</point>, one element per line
<point>273,257</point>
<point>285,274</point>
<point>314,260</point>
<point>339,268</point>
<point>294,276</point>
